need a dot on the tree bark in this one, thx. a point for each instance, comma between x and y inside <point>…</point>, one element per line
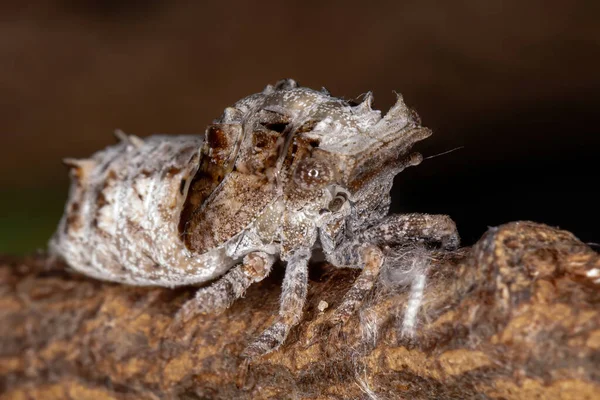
<point>514,317</point>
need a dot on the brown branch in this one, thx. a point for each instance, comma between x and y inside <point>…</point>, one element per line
<point>515,317</point>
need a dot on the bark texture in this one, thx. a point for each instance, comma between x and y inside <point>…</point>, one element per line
<point>514,317</point>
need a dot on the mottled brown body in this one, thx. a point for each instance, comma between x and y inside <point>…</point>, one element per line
<point>280,174</point>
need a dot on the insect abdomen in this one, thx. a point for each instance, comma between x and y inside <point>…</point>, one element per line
<point>122,216</point>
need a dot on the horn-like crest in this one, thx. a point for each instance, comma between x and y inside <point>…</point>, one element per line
<point>133,140</point>
<point>268,89</point>
<point>286,84</point>
<point>365,105</point>
<point>401,120</point>
<point>231,115</point>
<point>399,113</point>
<point>73,162</point>
<point>79,167</point>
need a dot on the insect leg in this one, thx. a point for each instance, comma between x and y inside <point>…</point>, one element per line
<point>293,296</point>
<point>221,294</point>
<point>370,258</point>
<point>364,251</point>
<point>403,228</point>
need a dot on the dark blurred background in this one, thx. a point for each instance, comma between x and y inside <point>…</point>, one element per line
<point>516,83</point>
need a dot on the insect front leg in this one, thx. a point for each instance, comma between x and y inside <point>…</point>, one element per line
<point>293,296</point>
<point>405,228</point>
<point>221,294</point>
<point>365,251</point>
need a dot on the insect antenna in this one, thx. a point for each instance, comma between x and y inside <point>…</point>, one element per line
<point>444,153</point>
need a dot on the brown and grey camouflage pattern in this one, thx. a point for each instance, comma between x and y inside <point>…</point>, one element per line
<point>279,174</point>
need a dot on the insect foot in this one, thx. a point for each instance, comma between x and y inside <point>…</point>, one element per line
<point>279,174</point>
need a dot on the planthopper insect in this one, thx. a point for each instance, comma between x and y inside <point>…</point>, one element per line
<point>281,173</point>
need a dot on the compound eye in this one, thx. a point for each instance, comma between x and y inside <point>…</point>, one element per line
<point>312,174</point>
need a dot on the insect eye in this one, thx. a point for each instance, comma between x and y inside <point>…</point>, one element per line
<point>312,174</point>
